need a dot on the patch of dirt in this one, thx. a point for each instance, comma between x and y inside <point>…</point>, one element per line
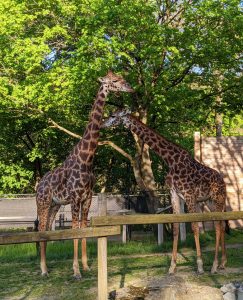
<point>167,288</point>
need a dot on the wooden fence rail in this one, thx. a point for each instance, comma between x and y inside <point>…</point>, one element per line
<point>67,234</point>
<point>100,232</point>
<point>107,230</point>
<point>165,218</point>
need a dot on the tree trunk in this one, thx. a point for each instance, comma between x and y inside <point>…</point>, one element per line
<point>144,168</point>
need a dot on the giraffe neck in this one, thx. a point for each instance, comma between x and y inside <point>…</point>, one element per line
<point>84,151</point>
<point>168,151</point>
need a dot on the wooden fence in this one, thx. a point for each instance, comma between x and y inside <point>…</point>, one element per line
<point>102,229</point>
<point>100,232</point>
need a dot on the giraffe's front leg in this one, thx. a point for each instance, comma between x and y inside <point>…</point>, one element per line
<point>175,201</point>
<point>43,216</point>
<point>44,270</point>
<point>195,229</point>
<point>172,268</point>
<point>75,225</point>
<point>84,216</point>
<point>84,256</point>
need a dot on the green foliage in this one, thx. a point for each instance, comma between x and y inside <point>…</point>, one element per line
<point>14,178</point>
<point>179,56</point>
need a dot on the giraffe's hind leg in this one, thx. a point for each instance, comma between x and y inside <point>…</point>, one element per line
<point>223,249</point>
<point>217,242</point>
<point>85,205</point>
<point>83,242</point>
<point>75,208</point>
<point>195,228</point>
<point>43,220</point>
<point>220,232</point>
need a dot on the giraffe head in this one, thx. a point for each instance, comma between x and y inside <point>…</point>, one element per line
<point>115,83</point>
<point>117,117</point>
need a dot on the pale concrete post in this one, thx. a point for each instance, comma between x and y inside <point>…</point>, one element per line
<point>102,253</point>
<point>160,234</point>
<point>198,157</point>
<point>124,234</point>
<point>182,225</point>
<point>197,146</point>
<point>53,226</point>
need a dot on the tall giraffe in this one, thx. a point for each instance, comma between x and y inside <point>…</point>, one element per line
<point>72,182</point>
<point>188,180</point>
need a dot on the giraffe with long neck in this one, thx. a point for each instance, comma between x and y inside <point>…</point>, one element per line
<point>188,180</point>
<point>72,182</point>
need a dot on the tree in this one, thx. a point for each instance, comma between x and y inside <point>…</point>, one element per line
<point>53,52</point>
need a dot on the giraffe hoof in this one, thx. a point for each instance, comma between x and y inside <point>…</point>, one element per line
<point>77,276</point>
<point>222,267</point>
<point>213,270</point>
<point>45,274</point>
<point>200,272</point>
<point>214,267</point>
<point>171,271</point>
<point>86,269</point>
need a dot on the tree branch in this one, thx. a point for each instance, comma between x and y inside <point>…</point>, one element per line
<point>55,125</point>
<point>101,143</point>
<point>180,78</point>
<point>136,170</point>
<point>118,149</point>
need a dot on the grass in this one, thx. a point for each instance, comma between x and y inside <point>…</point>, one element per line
<point>20,275</point>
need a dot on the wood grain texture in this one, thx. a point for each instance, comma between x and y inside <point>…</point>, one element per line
<point>67,234</point>
<point>165,218</point>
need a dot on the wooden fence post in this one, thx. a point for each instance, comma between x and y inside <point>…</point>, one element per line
<point>102,253</point>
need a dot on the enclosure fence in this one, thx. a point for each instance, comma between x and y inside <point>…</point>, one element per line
<point>104,226</point>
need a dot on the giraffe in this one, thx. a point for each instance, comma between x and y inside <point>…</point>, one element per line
<point>189,181</point>
<point>72,182</point>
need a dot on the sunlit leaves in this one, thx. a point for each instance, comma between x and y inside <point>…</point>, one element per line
<point>52,52</point>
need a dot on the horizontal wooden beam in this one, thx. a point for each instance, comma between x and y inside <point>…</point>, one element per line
<point>67,234</point>
<point>165,218</point>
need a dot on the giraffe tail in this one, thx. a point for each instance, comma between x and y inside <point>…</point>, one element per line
<point>36,228</point>
<point>36,224</point>
<point>227,227</point>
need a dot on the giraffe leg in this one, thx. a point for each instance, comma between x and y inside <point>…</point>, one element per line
<point>75,225</point>
<point>44,270</point>
<point>84,216</point>
<point>175,246</point>
<point>84,253</point>
<point>217,242</point>
<point>195,229</point>
<point>224,258</point>
<point>43,216</point>
<point>219,231</point>
<point>176,209</point>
